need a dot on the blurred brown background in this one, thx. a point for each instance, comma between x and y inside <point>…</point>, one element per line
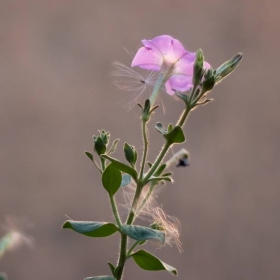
<point>56,91</point>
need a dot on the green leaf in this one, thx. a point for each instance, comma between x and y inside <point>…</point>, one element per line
<point>122,167</point>
<point>175,136</point>
<point>170,127</point>
<point>111,179</point>
<point>126,179</point>
<point>89,155</point>
<point>160,128</point>
<point>113,146</point>
<point>112,268</point>
<point>158,179</point>
<point>143,233</point>
<point>148,261</point>
<point>92,229</point>
<point>104,277</point>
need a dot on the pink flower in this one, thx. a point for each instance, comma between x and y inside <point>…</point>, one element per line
<point>168,54</point>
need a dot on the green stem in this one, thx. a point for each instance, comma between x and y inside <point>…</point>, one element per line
<point>122,257</point>
<point>145,140</point>
<point>102,160</point>
<point>160,157</point>
<point>115,211</point>
<point>123,246</point>
<point>132,248</point>
<point>146,197</point>
<point>183,117</point>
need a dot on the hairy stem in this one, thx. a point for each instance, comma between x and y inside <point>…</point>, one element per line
<point>115,211</point>
<point>145,140</point>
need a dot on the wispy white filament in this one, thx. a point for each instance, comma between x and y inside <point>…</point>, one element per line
<point>128,79</point>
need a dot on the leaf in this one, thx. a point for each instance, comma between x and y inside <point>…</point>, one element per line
<point>148,261</point>
<point>89,155</point>
<point>112,268</point>
<point>111,179</point>
<point>175,136</point>
<point>126,179</point>
<point>113,146</point>
<point>104,277</point>
<point>92,229</point>
<point>170,127</point>
<point>160,128</point>
<point>143,233</point>
<point>122,167</point>
<point>157,179</point>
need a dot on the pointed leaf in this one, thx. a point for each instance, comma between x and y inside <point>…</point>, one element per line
<point>157,179</point>
<point>148,261</point>
<point>126,179</point>
<point>92,229</point>
<point>112,268</point>
<point>113,146</point>
<point>143,233</point>
<point>104,277</point>
<point>175,136</point>
<point>170,127</point>
<point>89,155</point>
<point>111,179</point>
<point>122,167</point>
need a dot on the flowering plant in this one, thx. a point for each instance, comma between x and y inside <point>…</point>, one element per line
<point>181,73</point>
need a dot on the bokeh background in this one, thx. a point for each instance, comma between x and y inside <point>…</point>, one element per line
<point>56,92</point>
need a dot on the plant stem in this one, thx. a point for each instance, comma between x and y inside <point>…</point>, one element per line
<point>122,257</point>
<point>132,248</point>
<point>123,246</point>
<point>160,157</point>
<point>115,211</point>
<point>145,140</point>
<point>183,117</point>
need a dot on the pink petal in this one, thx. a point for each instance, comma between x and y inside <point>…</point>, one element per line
<point>206,65</point>
<point>178,82</point>
<point>184,66</point>
<point>148,58</point>
<point>170,48</point>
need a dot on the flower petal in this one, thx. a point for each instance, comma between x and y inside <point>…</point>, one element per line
<point>185,64</point>
<point>170,48</point>
<point>178,82</point>
<point>148,58</point>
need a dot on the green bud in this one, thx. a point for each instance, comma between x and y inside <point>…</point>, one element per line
<point>146,111</point>
<point>130,154</point>
<point>209,81</point>
<point>101,141</point>
<point>198,67</point>
<point>227,67</point>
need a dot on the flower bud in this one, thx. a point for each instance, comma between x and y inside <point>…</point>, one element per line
<point>198,67</point>
<point>227,67</point>
<point>101,141</point>
<point>130,154</point>
<point>209,80</point>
